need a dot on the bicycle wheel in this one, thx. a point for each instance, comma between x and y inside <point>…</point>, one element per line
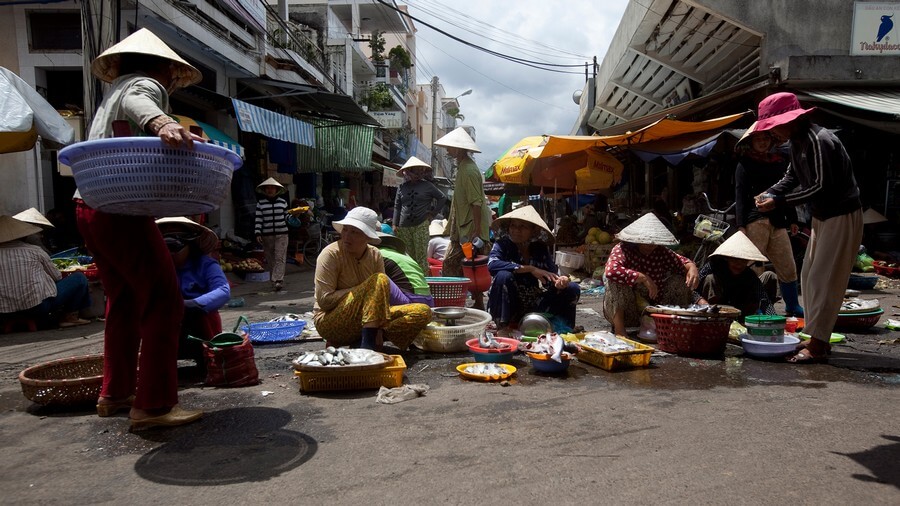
<point>310,252</point>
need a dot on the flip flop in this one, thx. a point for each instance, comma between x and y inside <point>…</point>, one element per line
<point>805,357</point>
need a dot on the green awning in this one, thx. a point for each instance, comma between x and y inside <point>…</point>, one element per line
<point>340,147</point>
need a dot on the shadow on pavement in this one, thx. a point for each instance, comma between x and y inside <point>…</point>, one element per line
<point>225,447</point>
<point>883,462</point>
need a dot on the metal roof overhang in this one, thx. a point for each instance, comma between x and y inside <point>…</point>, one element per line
<point>309,100</point>
<point>693,107</point>
<point>880,100</point>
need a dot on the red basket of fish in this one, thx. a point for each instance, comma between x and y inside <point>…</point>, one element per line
<point>890,270</point>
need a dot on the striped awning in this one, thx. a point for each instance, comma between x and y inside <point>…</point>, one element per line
<point>339,147</point>
<point>271,124</point>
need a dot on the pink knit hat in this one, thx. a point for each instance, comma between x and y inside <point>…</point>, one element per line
<point>779,109</point>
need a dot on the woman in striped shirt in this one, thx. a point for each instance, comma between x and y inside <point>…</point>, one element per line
<point>271,228</point>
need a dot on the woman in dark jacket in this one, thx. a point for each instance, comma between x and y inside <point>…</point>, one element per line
<point>759,168</point>
<point>524,274</point>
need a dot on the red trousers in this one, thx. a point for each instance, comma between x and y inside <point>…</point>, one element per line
<point>143,310</point>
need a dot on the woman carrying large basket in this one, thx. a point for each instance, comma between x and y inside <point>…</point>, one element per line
<point>144,303</point>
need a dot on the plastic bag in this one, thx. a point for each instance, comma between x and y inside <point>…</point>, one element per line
<point>231,366</point>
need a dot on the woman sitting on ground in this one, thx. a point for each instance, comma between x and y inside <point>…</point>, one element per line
<point>408,283</point>
<point>524,274</point>
<point>641,270</point>
<point>728,279</point>
<point>203,284</point>
<point>352,291</point>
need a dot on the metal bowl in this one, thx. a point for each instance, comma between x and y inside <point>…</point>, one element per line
<point>449,314</point>
<point>535,324</point>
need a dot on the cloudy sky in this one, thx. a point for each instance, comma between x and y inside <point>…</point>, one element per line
<point>509,100</point>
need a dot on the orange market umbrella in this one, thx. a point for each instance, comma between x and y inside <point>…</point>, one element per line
<point>662,129</point>
<point>586,170</point>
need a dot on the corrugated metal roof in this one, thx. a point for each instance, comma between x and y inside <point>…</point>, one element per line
<point>339,147</point>
<point>883,100</point>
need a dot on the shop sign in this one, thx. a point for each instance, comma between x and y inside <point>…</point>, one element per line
<point>388,119</point>
<point>874,33</point>
<point>391,178</point>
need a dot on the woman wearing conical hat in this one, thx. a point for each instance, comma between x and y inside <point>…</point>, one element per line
<point>144,303</point>
<point>728,279</point>
<point>271,228</point>
<point>641,270</point>
<point>470,216</point>
<point>762,164</point>
<point>525,276</point>
<point>418,201</point>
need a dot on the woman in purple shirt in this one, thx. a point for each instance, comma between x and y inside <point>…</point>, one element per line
<point>203,284</point>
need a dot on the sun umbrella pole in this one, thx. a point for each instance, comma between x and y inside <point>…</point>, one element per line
<point>38,180</point>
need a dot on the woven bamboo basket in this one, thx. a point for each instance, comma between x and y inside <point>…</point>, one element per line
<point>71,381</point>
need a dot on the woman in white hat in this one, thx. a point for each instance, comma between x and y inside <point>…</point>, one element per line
<point>352,292</point>
<point>143,299</point>
<point>271,228</point>
<point>820,174</point>
<point>761,165</point>
<point>642,270</point>
<point>418,201</point>
<point>728,279</point>
<point>438,242</point>
<point>203,284</point>
<point>525,277</point>
<point>470,216</point>
<point>33,216</point>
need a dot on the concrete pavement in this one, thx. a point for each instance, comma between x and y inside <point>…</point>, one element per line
<point>734,430</point>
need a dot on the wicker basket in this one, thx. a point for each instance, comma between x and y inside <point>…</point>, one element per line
<point>72,381</point>
<point>143,176</point>
<point>336,378</point>
<point>596,256</point>
<point>692,336</point>
<point>452,339</point>
<point>448,291</point>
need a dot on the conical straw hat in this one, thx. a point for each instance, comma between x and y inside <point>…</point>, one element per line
<point>458,138</point>
<point>106,66</point>
<point>33,216</point>
<point>872,216</point>
<point>647,230</point>
<point>739,246</point>
<point>412,163</point>
<point>437,227</point>
<point>207,240</point>
<point>271,182</point>
<point>12,229</point>
<point>524,213</point>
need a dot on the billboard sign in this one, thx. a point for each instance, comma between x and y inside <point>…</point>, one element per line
<point>874,31</point>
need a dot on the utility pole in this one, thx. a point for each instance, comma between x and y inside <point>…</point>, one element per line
<point>434,111</point>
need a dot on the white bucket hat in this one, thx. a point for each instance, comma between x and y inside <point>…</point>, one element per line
<point>12,229</point>
<point>364,219</point>
<point>106,66</point>
<point>647,230</point>
<point>524,213</point>
<point>271,182</point>
<point>33,216</point>
<point>437,227</point>
<point>458,138</point>
<point>412,163</point>
<point>739,246</point>
<point>870,217</point>
<point>207,240</point>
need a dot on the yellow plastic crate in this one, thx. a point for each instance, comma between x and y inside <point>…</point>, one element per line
<point>337,379</point>
<point>639,357</point>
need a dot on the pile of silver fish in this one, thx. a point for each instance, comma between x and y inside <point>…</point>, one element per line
<point>696,308</point>
<point>486,369</point>
<point>606,342</point>
<point>333,357</point>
